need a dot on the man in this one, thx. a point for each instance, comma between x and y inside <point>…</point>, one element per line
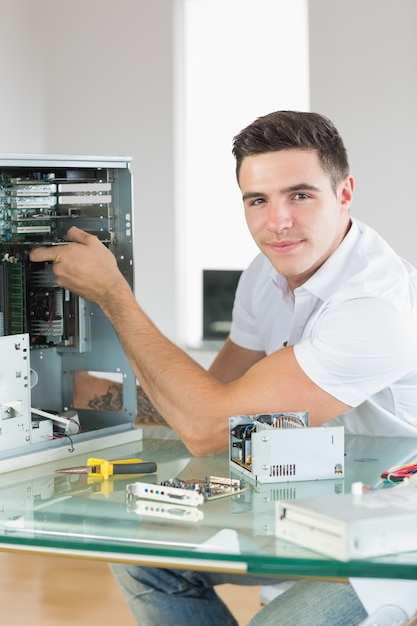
<point>325,320</point>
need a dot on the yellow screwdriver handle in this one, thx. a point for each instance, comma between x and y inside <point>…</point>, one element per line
<point>107,467</point>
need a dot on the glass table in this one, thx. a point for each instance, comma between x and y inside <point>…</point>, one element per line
<point>43,511</point>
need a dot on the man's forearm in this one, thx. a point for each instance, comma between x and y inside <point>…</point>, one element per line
<point>146,412</point>
<point>180,389</point>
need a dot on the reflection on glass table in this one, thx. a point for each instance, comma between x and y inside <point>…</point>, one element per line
<point>41,510</point>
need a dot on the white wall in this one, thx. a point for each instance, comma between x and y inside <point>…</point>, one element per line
<point>363,72</point>
<point>241,59</point>
<point>22,70</point>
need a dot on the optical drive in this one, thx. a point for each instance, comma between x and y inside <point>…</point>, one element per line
<point>352,526</point>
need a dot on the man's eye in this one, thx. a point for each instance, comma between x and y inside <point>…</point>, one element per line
<point>301,196</point>
<point>257,201</point>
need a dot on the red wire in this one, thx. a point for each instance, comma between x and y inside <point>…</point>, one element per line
<point>399,473</point>
<point>47,327</point>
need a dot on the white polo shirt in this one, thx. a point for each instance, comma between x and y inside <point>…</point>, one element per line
<point>353,326</point>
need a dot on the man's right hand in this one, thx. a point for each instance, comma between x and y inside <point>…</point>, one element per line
<point>86,267</point>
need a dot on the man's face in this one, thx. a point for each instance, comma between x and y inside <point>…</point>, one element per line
<point>295,217</point>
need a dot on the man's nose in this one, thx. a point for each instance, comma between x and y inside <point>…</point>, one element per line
<point>279,217</point>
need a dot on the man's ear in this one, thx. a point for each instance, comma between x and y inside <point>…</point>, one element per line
<point>346,192</point>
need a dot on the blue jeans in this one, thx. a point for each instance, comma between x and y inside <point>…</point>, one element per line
<point>172,597</point>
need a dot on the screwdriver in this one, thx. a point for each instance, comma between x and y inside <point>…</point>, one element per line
<point>103,469</point>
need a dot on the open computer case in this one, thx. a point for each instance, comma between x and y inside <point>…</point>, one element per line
<point>46,332</point>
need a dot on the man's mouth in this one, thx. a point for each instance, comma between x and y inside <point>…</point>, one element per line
<point>284,245</point>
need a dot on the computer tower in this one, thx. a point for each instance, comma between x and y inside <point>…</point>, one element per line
<point>47,333</point>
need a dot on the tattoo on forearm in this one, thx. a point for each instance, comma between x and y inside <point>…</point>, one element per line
<point>112,400</point>
<point>146,413</point>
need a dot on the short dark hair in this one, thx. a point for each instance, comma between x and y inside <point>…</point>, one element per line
<point>294,129</point>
